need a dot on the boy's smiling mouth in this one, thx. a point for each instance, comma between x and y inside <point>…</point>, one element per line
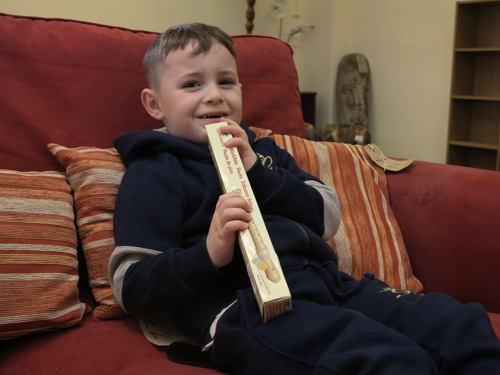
<point>212,116</point>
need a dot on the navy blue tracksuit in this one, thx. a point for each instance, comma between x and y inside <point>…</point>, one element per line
<point>337,325</point>
<point>355,327</point>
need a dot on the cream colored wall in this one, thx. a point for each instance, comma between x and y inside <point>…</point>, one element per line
<point>408,44</point>
<point>153,15</point>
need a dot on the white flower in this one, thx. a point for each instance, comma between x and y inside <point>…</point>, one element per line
<point>279,8</point>
<point>297,31</point>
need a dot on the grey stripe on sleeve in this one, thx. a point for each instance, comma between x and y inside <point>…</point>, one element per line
<point>331,208</point>
<point>119,262</point>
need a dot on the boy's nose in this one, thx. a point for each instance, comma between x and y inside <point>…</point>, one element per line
<point>214,95</point>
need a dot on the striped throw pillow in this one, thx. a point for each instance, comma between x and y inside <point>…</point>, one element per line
<point>95,175</point>
<point>38,256</point>
<point>369,238</point>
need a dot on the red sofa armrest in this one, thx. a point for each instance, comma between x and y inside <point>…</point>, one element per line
<point>450,220</point>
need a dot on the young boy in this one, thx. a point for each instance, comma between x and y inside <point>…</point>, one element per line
<point>176,251</point>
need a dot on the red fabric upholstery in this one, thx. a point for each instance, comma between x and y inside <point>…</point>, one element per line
<point>60,85</point>
<point>79,84</point>
<point>281,83</point>
<point>109,347</point>
<point>92,347</point>
<point>450,220</point>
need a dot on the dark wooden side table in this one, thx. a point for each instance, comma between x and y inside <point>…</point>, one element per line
<point>308,100</point>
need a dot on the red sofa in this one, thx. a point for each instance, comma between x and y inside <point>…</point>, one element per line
<point>78,84</point>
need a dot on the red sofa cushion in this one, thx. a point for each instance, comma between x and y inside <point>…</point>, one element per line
<point>279,108</point>
<point>92,347</point>
<point>110,347</point>
<point>79,84</point>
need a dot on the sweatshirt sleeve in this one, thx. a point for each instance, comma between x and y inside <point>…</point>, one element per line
<point>151,267</point>
<point>283,189</point>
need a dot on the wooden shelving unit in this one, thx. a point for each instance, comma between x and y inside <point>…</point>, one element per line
<point>474,121</point>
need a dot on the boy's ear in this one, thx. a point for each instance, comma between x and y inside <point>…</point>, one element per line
<point>151,104</point>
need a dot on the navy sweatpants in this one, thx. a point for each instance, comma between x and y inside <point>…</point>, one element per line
<point>341,326</point>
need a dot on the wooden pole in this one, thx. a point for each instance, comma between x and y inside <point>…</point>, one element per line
<point>250,16</point>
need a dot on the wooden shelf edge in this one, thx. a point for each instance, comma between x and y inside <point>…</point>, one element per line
<point>476,97</point>
<point>475,3</point>
<point>482,146</point>
<point>477,49</point>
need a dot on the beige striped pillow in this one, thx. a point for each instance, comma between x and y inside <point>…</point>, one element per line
<point>95,175</point>
<point>369,238</point>
<point>38,256</point>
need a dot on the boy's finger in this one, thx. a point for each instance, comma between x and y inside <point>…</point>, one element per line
<point>233,199</point>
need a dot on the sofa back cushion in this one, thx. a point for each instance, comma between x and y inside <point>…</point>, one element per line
<point>78,83</point>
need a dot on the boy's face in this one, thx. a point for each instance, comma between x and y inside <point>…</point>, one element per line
<point>195,90</point>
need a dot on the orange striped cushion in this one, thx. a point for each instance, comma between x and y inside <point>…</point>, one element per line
<point>38,257</point>
<point>95,175</point>
<point>369,238</point>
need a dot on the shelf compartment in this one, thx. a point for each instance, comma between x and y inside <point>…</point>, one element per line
<point>478,25</point>
<point>475,121</point>
<point>476,74</point>
<point>473,157</point>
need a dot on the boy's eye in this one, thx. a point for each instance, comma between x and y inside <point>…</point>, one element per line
<point>190,85</point>
<point>226,82</point>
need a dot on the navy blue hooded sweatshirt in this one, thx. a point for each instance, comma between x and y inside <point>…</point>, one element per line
<point>163,212</point>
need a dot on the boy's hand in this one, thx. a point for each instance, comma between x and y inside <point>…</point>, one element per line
<point>232,214</point>
<point>240,141</point>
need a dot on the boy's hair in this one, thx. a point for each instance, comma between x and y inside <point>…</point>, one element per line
<point>178,37</point>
